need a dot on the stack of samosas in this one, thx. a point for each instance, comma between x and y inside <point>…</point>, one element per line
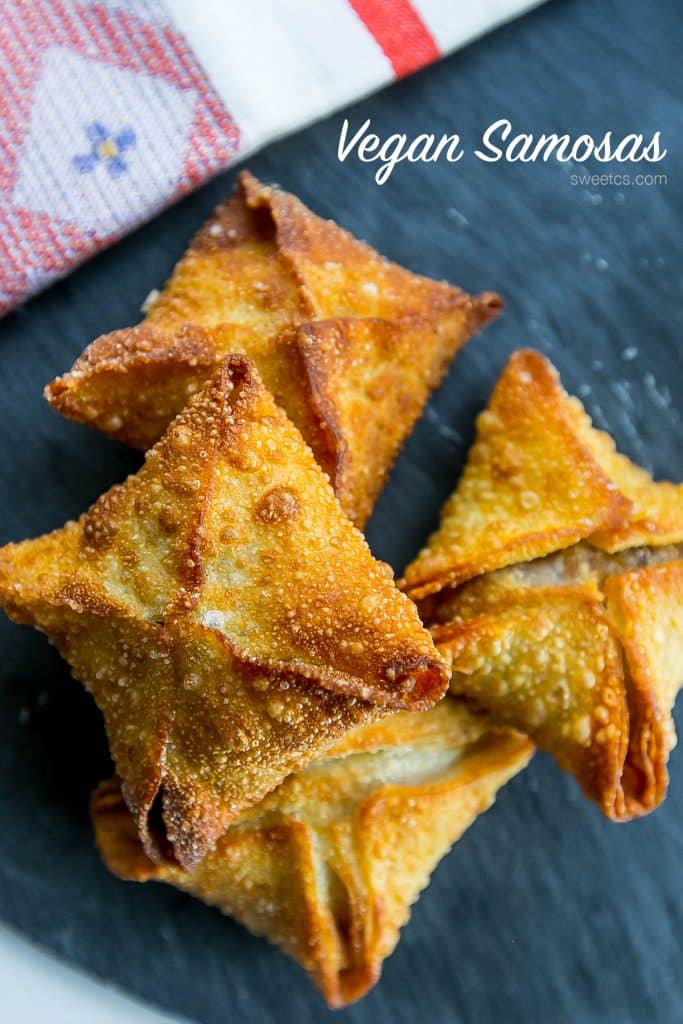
<point>273,703</point>
<point>265,686</point>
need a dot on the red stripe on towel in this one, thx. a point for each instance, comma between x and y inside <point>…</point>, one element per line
<point>400,31</point>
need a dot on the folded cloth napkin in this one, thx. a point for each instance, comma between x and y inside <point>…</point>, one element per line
<point>112,109</point>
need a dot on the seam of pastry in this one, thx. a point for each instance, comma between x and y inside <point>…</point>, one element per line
<point>633,781</point>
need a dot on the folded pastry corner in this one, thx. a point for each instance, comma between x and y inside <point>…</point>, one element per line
<point>554,588</point>
<point>328,865</point>
<point>227,617</point>
<point>350,344</point>
<point>529,487</point>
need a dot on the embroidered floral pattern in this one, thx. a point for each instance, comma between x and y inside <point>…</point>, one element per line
<point>105,148</point>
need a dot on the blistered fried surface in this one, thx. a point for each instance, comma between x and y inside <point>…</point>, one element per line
<point>530,486</point>
<point>227,617</point>
<point>554,589</point>
<point>328,865</point>
<point>583,651</point>
<point>656,515</point>
<point>549,665</point>
<point>339,275</point>
<point>539,478</point>
<point>367,382</point>
<point>646,608</point>
<point>260,269</point>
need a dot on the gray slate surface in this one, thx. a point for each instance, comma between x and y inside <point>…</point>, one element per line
<point>545,913</point>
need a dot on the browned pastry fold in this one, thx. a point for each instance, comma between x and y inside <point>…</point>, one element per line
<point>328,865</point>
<point>225,614</point>
<point>554,586</point>
<point>350,344</point>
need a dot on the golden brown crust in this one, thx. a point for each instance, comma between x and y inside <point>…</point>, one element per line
<point>227,617</point>
<point>646,609</point>
<point>531,584</point>
<point>233,272</point>
<point>341,276</point>
<point>260,269</point>
<point>539,478</point>
<point>328,865</point>
<point>530,485</point>
<point>656,515</point>
<point>547,663</point>
<point>366,384</point>
<point>131,383</point>
<point>585,655</point>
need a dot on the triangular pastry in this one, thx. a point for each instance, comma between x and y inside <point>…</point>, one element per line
<point>258,279</point>
<point>328,865</point>
<point>530,484</point>
<point>228,619</point>
<point>555,589</point>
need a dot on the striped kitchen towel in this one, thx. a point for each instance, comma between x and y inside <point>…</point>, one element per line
<point>112,109</point>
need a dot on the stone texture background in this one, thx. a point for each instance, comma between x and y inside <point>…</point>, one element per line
<point>544,913</point>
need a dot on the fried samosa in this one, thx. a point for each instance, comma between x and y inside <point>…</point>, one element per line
<point>328,865</point>
<point>227,617</point>
<point>554,586</point>
<point>350,344</point>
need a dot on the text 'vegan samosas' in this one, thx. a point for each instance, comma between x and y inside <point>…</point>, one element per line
<point>225,614</point>
<point>555,587</point>
<point>350,344</point>
<point>328,865</point>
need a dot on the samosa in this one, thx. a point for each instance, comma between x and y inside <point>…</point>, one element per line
<point>350,344</point>
<point>328,865</point>
<point>227,617</point>
<point>554,586</point>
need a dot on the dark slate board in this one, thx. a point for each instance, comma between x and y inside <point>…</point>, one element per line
<point>545,913</point>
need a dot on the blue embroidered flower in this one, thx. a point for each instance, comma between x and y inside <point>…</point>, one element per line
<point>106,149</point>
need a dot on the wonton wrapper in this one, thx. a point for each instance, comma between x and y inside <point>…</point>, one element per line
<point>556,589</point>
<point>253,281</point>
<point>328,865</point>
<point>228,619</point>
<point>530,485</point>
<point>589,669</point>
